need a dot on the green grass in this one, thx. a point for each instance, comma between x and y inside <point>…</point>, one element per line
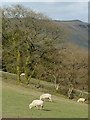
<point>16,99</point>
<point>45,86</point>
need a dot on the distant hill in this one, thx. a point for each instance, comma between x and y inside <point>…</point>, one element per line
<point>78,32</point>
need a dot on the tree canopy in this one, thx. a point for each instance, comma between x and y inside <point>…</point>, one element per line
<point>33,43</point>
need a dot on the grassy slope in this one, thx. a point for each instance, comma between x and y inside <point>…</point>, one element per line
<point>16,99</point>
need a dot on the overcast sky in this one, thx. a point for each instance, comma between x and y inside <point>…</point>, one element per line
<point>57,10</point>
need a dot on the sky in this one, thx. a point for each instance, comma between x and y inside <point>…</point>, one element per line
<point>57,10</point>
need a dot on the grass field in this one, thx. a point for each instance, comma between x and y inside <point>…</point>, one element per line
<point>16,99</point>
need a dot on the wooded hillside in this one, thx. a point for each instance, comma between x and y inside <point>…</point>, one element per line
<point>36,45</point>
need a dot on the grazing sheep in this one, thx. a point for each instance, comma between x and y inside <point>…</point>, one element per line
<point>81,100</point>
<point>36,103</point>
<point>46,96</point>
<point>23,74</point>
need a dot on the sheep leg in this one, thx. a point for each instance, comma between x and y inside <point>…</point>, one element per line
<point>50,99</point>
<point>37,107</point>
<point>41,107</point>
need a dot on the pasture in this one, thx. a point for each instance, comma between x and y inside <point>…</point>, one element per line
<point>16,99</point>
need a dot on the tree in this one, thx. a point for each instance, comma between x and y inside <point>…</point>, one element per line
<point>12,33</point>
<point>21,28</point>
<point>30,38</point>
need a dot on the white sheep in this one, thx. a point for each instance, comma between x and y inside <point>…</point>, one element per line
<point>22,74</point>
<point>46,96</point>
<point>81,100</point>
<point>36,103</point>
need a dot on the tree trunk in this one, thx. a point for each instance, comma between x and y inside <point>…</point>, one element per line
<point>70,93</point>
<point>26,70</point>
<point>18,67</point>
<point>32,73</point>
<point>26,64</point>
<point>39,79</point>
<point>56,85</point>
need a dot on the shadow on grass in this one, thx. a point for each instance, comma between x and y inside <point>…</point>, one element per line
<point>50,102</point>
<point>46,110</point>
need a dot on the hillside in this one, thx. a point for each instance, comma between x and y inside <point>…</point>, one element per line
<point>16,99</point>
<point>38,47</point>
<point>78,32</point>
<point>46,52</point>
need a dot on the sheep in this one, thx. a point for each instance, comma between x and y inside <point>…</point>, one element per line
<point>46,96</point>
<point>81,100</point>
<point>36,103</point>
<point>22,74</point>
